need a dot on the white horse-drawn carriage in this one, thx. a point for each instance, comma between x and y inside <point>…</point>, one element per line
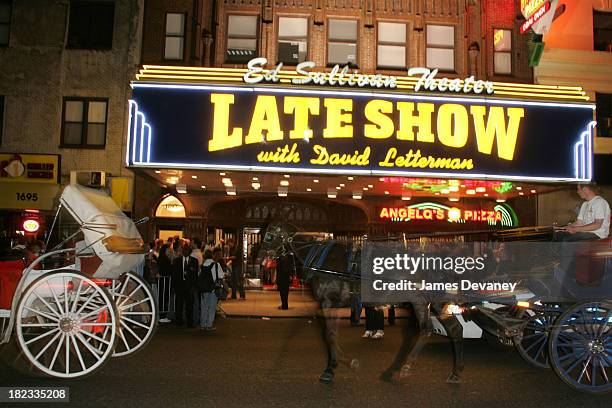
<point>76,306</point>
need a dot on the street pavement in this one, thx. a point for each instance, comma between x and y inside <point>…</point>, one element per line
<point>252,362</point>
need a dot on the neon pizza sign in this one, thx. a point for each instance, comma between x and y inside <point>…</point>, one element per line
<point>435,212</point>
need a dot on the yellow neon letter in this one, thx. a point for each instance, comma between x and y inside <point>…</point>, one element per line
<point>382,125</point>
<point>221,139</point>
<point>496,127</point>
<point>408,121</point>
<point>455,133</point>
<point>265,117</point>
<point>338,120</point>
<point>302,107</point>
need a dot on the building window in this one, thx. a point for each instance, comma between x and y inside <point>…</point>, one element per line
<point>502,51</point>
<point>292,40</point>
<point>91,25</point>
<point>175,36</point>
<point>342,42</point>
<point>602,30</point>
<point>391,51</point>
<point>5,21</point>
<point>84,122</point>
<point>604,114</point>
<point>440,47</point>
<point>241,39</point>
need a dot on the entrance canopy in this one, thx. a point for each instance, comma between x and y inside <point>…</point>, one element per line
<point>342,186</point>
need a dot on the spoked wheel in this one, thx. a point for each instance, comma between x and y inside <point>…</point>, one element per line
<point>580,347</point>
<point>66,324</point>
<point>532,346</point>
<point>138,313</point>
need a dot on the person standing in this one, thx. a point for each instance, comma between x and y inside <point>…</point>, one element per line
<point>234,263</point>
<point>285,268</point>
<point>375,322</point>
<point>197,251</point>
<point>211,275</point>
<point>184,276</point>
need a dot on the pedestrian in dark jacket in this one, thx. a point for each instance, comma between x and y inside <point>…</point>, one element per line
<point>284,269</point>
<point>184,279</point>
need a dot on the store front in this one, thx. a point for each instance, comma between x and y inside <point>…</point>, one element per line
<point>347,154</point>
<point>30,186</point>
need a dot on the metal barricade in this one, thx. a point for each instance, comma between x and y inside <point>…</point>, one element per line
<point>165,297</point>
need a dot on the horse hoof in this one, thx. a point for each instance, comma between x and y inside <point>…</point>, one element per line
<point>387,377</point>
<point>326,377</point>
<point>453,379</point>
<point>405,371</point>
<point>354,364</point>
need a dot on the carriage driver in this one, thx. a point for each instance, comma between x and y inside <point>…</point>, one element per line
<point>593,221</point>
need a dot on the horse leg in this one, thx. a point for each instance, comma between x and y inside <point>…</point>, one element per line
<point>411,345</point>
<point>329,330</point>
<point>454,331</point>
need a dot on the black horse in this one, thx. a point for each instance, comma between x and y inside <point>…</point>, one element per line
<point>334,281</point>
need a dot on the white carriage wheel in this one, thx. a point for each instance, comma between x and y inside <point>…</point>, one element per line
<point>137,311</point>
<point>66,325</point>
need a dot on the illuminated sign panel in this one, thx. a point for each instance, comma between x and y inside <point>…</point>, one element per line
<point>433,212</point>
<point>310,130</point>
<point>29,168</point>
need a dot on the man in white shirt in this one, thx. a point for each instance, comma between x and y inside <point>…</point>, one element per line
<point>593,221</point>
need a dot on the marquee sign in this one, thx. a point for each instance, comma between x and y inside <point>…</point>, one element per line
<point>433,212</point>
<point>300,129</point>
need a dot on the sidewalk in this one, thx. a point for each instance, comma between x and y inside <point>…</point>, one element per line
<point>265,303</point>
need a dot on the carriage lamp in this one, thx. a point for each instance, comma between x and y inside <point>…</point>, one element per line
<point>452,309</point>
<point>31,225</point>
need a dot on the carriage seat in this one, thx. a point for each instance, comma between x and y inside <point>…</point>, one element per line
<point>594,262</point>
<point>10,274</point>
<point>122,245</point>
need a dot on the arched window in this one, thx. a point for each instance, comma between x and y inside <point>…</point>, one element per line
<point>170,207</point>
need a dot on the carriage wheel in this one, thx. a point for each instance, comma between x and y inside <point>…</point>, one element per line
<point>580,347</point>
<point>138,313</point>
<point>532,346</point>
<point>66,324</point>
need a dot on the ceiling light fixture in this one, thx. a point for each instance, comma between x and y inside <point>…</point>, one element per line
<point>284,183</point>
<point>282,191</point>
<point>256,186</point>
<point>194,177</point>
<point>231,191</point>
<point>315,181</point>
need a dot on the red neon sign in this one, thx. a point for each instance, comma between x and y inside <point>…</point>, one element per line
<point>31,225</point>
<point>537,15</point>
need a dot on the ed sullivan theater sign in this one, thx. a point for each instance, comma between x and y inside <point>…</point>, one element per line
<point>359,128</point>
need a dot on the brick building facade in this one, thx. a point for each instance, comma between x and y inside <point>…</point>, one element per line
<point>208,33</point>
<point>66,67</point>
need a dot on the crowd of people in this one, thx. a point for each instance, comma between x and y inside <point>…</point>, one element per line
<point>200,274</point>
